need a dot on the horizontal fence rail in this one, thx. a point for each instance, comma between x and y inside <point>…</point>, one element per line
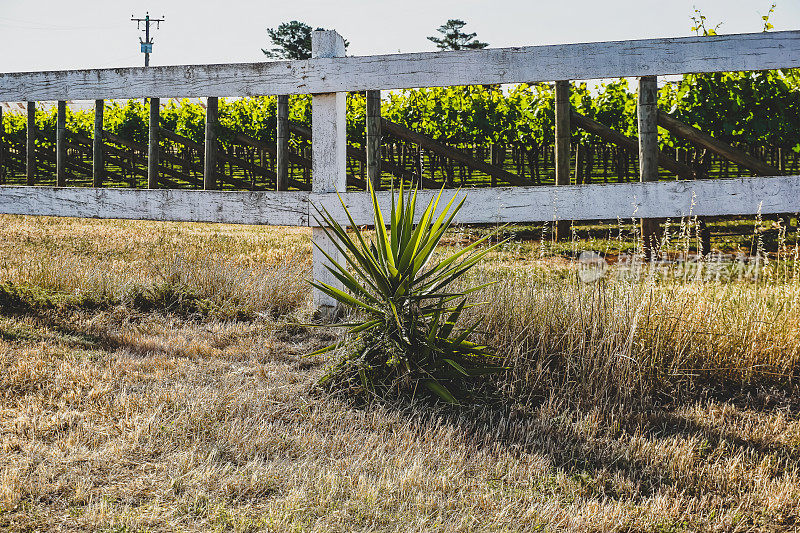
<point>649,57</point>
<point>740,196</point>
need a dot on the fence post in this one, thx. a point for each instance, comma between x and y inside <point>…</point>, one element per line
<point>282,139</point>
<point>563,135</point>
<point>374,138</point>
<point>647,115</point>
<point>98,166</point>
<point>61,149</point>
<point>30,145</point>
<point>328,159</point>
<point>210,148</point>
<point>152,145</point>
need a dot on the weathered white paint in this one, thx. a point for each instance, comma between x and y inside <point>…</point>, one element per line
<point>739,196</point>
<point>279,209</point>
<point>753,51</point>
<point>328,160</point>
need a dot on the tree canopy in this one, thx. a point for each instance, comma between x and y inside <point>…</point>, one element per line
<point>454,39</point>
<point>291,40</point>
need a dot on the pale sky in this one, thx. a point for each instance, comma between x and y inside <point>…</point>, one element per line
<point>61,34</point>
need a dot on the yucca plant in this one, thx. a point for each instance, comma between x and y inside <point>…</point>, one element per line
<point>407,335</point>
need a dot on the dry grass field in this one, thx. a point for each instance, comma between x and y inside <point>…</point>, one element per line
<point>152,378</point>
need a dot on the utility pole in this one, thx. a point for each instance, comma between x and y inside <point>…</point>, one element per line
<point>147,43</point>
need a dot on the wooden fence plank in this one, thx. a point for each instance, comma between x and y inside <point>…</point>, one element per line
<point>665,199</point>
<point>267,207</point>
<point>582,61</point>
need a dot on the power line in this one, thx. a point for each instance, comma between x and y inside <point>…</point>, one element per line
<point>39,25</point>
<point>147,43</point>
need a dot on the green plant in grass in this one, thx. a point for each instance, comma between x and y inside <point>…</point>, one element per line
<point>407,337</point>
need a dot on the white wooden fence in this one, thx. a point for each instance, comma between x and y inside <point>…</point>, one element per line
<point>329,75</point>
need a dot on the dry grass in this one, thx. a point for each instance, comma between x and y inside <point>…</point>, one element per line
<point>260,269</point>
<point>617,342</point>
<point>116,419</point>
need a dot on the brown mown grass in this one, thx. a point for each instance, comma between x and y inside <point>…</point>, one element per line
<point>152,379</point>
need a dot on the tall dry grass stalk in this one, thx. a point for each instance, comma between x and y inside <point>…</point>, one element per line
<point>615,335</point>
<point>236,270</point>
<point>619,341</point>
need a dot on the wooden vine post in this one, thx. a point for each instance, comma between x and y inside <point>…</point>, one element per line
<point>329,161</point>
<point>494,157</point>
<point>374,138</point>
<point>282,139</point>
<point>30,145</point>
<point>61,149</point>
<point>562,142</point>
<point>98,165</point>
<point>210,148</point>
<point>579,161</point>
<point>152,146</point>
<point>647,116</point>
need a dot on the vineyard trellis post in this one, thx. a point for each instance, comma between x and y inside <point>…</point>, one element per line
<point>97,145</point>
<point>282,140</point>
<point>30,145</point>
<point>562,145</point>
<point>210,148</point>
<point>373,112</point>
<point>152,145</point>
<point>328,160</point>
<point>647,116</point>
<point>61,149</point>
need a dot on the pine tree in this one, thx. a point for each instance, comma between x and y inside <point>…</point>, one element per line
<point>291,40</point>
<point>454,39</point>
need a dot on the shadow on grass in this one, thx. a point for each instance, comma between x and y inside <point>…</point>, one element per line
<point>634,453</point>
